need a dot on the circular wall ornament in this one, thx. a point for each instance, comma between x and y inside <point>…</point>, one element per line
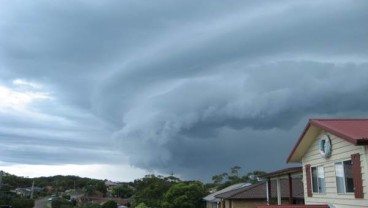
<point>325,146</point>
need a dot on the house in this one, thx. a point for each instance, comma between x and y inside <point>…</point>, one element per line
<point>110,183</point>
<point>213,202</point>
<point>26,192</point>
<point>334,153</point>
<point>251,196</point>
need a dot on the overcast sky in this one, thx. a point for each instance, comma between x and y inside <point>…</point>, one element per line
<point>119,89</point>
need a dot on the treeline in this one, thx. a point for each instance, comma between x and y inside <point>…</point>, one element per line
<point>170,192</point>
<point>229,178</point>
<point>149,191</point>
<point>55,183</point>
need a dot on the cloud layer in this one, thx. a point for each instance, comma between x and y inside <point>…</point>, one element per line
<point>186,87</point>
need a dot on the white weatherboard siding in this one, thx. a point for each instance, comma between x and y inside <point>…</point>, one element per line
<point>341,150</point>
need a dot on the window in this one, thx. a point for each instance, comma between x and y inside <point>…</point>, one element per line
<point>344,177</point>
<point>318,180</point>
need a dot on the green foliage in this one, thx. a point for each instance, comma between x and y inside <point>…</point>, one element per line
<point>110,204</point>
<point>91,205</point>
<point>22,203</point>
<point>66,196</point>
<point>60,203</point>
<point>151,189</point>
<point>95,185</point>
<point>123,191</point>
<point>89,189</point>
<point>141,205</point>
<point>15,181</point>
<point>59,183</point>
<point>218,179</point>
<point>185,195</point>
<point>6,197</point>
<point>66,206</point>
<point>227,179</point>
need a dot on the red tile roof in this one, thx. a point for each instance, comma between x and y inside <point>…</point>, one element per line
<point>354,131</point>
<point>258,191</point>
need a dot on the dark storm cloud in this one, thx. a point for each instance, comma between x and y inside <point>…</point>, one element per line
<point>189,87</point>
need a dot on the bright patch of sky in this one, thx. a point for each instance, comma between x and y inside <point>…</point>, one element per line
<point>21,95</point>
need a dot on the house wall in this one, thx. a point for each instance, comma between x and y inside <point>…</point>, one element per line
<point>341,150</point>
<point>211,205</point>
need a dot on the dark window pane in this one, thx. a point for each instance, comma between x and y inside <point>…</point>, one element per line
<point>349,183</point>
<point>314,180</point>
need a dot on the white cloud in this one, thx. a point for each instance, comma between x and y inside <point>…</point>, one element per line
<point>22,82</point>
<point>20,99</point>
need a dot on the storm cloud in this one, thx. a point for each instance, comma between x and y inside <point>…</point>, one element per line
<point>187,87</point>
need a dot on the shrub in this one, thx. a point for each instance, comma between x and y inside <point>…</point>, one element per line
<point>141,205</point>
<point>66,196</point>
<point>22,203</point>
<point>91,205</point>
<point>60,203</point>
<point>110,204</point>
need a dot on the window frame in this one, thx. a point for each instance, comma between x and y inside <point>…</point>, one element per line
<point>319,188</point>
<point>341,162</point>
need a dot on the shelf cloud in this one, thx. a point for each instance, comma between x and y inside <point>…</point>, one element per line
<point>187,87</point>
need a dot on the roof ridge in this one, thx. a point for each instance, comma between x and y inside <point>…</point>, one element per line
<point>338,119</point>
<point>353,130</point>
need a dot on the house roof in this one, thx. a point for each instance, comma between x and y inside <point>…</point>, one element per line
<point>258,191</point>
<point>283,172</point>
<point>354,131</point>
<point>211,197</point>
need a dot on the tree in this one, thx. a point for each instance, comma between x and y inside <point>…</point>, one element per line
<point>124,191</point>
<point>110,204</point>
<point>101,187</point>
<point>95,185</point>
<point>151,189</point>
<point>218,179</point>
<point>60,203</point>
<point>141,205</point>
<point>89,189</point>
<point>184,195</point>
<point>234,177</point>
<point>22,203</point>
<point>91,205</point>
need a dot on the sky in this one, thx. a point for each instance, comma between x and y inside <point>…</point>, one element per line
<point>119,89</point>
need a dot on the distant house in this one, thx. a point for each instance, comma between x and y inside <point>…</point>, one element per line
<point>334,154</point>
<point>26,192</point>
<point>257,194</point>
<point>110,183</point>
<point>213,202</point>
